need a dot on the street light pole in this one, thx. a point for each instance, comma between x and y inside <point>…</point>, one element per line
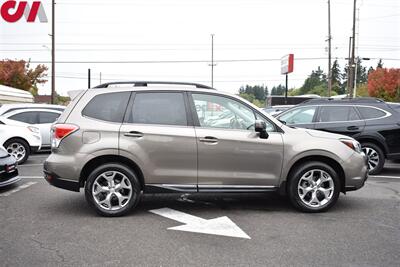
<point>330,51</point>
<point>53,54</point>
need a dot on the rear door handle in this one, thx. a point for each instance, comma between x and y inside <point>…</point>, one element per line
<point>133,134</point>
<point>209,140</point>
<point>352,128</point>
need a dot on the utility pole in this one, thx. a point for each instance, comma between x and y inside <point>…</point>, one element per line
<point>212,60</point>
<point>53,53</point>
<point>330,51</point>
<point>100,77</point>
<point>352,63</point>
<point>89,78</point>
<point>348,68</point>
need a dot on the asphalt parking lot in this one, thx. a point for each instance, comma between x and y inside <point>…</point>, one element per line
<point>45,226</point>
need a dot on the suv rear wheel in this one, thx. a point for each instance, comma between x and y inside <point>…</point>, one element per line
<point>376,158</point>
<point>313,187</point>
<point>112,189</point>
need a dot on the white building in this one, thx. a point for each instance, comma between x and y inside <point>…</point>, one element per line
<point>13,95</point>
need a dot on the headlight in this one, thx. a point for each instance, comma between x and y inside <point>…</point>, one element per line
<point>353,144</point>
<point>33,129</point>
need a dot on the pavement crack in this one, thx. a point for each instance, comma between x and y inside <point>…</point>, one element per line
<point>42,246</point>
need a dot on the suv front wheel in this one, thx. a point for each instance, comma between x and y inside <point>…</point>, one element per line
<point>112,189</point>
<point>313,187</point>
<point>376,158</point>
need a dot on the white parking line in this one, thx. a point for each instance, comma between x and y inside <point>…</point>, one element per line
<point>19,188</point>
<point>30,165</point>
<point>32,177</point>
<point>386,177</point>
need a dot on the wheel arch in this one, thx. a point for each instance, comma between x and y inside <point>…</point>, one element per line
<point>327,160</point>
<point>97,161</point>
<point>18,138</point>
<point>375,141</point>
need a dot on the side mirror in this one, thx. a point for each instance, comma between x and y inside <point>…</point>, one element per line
<point>261,127</point>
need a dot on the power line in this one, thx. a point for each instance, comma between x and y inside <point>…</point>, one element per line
<point>170,61</point>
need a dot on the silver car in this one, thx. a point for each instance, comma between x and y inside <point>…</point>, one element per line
<point>118,142</point>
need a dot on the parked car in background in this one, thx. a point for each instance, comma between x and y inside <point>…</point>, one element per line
<point>374,123</point>
<point>8,169</point>
<point>40,118</point>
<point>5,108</point>
<point>120,142</point>
<point>276,110</point>
<point>19,139</point>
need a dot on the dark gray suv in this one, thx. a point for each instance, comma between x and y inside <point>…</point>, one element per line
<point>154,137</point>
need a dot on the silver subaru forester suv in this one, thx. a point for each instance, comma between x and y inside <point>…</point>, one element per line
<point>124,139</point>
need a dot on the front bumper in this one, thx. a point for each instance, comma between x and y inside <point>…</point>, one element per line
<point>356,171</point>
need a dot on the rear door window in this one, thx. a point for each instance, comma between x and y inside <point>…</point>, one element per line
<point>371,113</point>
<point>27,117</point>
<point>107,107</point>
<point>48,117</point>
<point>337,114</point>
<point>158,108</point>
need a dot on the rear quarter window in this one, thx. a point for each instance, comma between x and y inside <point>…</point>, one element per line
<point>371,113</point>
<point>107,107</point>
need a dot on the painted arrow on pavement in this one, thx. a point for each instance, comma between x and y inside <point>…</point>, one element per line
<point>218,226</point>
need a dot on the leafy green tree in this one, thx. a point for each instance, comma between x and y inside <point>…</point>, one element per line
<point>315,79</point>
<point>361,75</point>
<point>380,64</point>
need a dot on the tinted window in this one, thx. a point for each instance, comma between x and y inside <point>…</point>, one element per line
<point>342,113</point>
<point>299,115</point>
<point>48,117</point>
<point>107,107</point>
<point>27,117</point>
<point>371,113</point>
<point>159,108</point>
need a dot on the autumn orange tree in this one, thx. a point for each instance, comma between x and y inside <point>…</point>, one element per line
<point>385,83</point>
<point>18,74</point>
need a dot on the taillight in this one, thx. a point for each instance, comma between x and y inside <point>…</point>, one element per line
<point>60,131</point>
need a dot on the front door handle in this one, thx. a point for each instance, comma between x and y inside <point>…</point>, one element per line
<point>133,134</point>
<point>209,140</point>
<point>353,128</point>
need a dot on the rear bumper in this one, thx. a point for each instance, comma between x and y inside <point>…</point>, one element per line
<point>56,181</point>
<point>356,171</point>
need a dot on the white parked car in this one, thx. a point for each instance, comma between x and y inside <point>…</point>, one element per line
<point>19,139</point>
<point>5,108</point>
<point>40,118</point>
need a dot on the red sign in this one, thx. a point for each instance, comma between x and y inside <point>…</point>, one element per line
<point>12,11</point>
<point>287,64</point>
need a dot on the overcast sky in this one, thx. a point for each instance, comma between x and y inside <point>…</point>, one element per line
<point>180,30</point>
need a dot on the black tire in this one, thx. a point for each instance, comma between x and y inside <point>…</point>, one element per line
<point>21,142</point>
<point>297,174</point>
<point>113,167</point>
<point>381,155</point>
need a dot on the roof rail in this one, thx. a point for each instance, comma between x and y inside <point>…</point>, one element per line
<point>351,100</point>
<point>146,83</point>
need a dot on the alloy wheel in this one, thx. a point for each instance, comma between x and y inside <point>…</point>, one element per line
<point>112,190</point>
<point>315,188</point>
<point>17,150</point>
<point>373,157</point>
